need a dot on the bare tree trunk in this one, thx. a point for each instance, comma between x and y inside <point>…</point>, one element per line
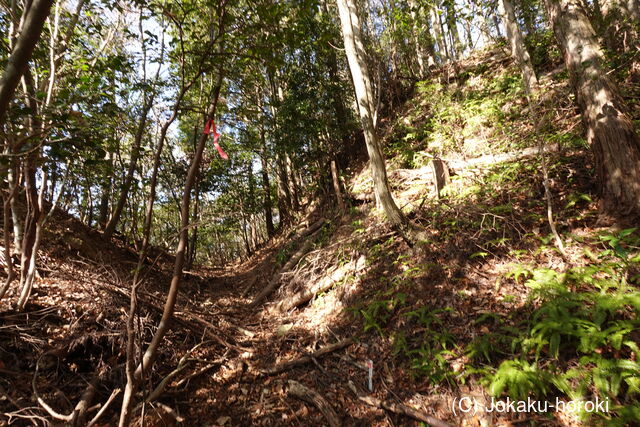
<point>193,241</point>
<point>292,185</point>
<point>266,186</point>
<point>105,195</point>
<point>6,202</point>
<point>136,374</point>
<point>284,197</point>
<point>354,48</point>
<point>19,59</point>
<point>439,33</point>
<point>416,30</point>
<point>452,26</point>
<point>30,249</point>
<point>518,49</point>
<point>14,177</point>
<point>336,185</point>
<point>610,132</point>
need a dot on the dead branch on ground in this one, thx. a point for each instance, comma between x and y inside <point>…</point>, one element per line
<point>311,396</point>
<point>285,366</point>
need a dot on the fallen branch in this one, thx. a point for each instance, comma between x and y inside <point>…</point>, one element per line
<point>184,318</point>
<point>326,283</point>
<point>295,258</point>
<point>77,416</point>
<point>311,396</point>
<point>398,408</point>
<point>104,408</point>
<point>426,172</point>
<point>285,366</point>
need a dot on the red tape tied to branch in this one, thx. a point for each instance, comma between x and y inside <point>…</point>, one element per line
<point>210,128</point>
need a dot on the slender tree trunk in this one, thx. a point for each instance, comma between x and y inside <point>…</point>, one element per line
<point>284,197</point>
<point>518,49</point>
<point>151,352</point>
<point>354,48</point>
<point>439,33</point>
<point>28,274</point>
<point>416,33</point>
<point>6,219</point>
<point>14,178</point>
<point>105,194</point>
<point>452,26</point>
<point>336,185</point>
<point>137,144</point>
<point>266,186</point>
<point>610,131</point>
<point>193,241</point>
<point>137,374</point>
<point>291,184</point>
<point>21,54</point>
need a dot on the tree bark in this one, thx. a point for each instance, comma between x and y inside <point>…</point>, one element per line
<point>610,132</point>
<point>518,49</point>
<point>19,59</point>
<point>336,186</point>
<point>284,197</point>
<point>353,42</point>
<point>266,186</point>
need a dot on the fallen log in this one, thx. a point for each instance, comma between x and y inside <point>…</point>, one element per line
<point>285,366</point>
<point>313,397</point>
<point>295,258</point>
<point>327,282</point>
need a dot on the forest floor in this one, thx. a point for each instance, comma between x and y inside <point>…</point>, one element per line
<point>436,321</point>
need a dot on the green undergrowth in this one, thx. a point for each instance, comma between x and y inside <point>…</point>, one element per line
<point>558,330</point>
<point>482,112</point>
<point>576,337</point>
<point>580,335</point>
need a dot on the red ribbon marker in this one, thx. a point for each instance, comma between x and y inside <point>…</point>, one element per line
<point>210,127</point>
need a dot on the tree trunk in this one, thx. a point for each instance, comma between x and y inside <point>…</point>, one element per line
<point>452,25</point>
<point>137,143</point>
<point>21,54</point>
<point>439,34</point>
<point>105,194</point>
<point>336,185</point>
<point>417,45</point>
<point>610,132</point>
<point>292,185</point>
<point>518,49</point>
<point>284,197</point>
<point>266,186</point>
<point>14,178</point>
<point>354,48</point>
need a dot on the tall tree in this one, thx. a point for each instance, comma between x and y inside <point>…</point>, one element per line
<point>36,14</point>
<point>610,131</point>
<point>354,48</point>
<point>518,49</point>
